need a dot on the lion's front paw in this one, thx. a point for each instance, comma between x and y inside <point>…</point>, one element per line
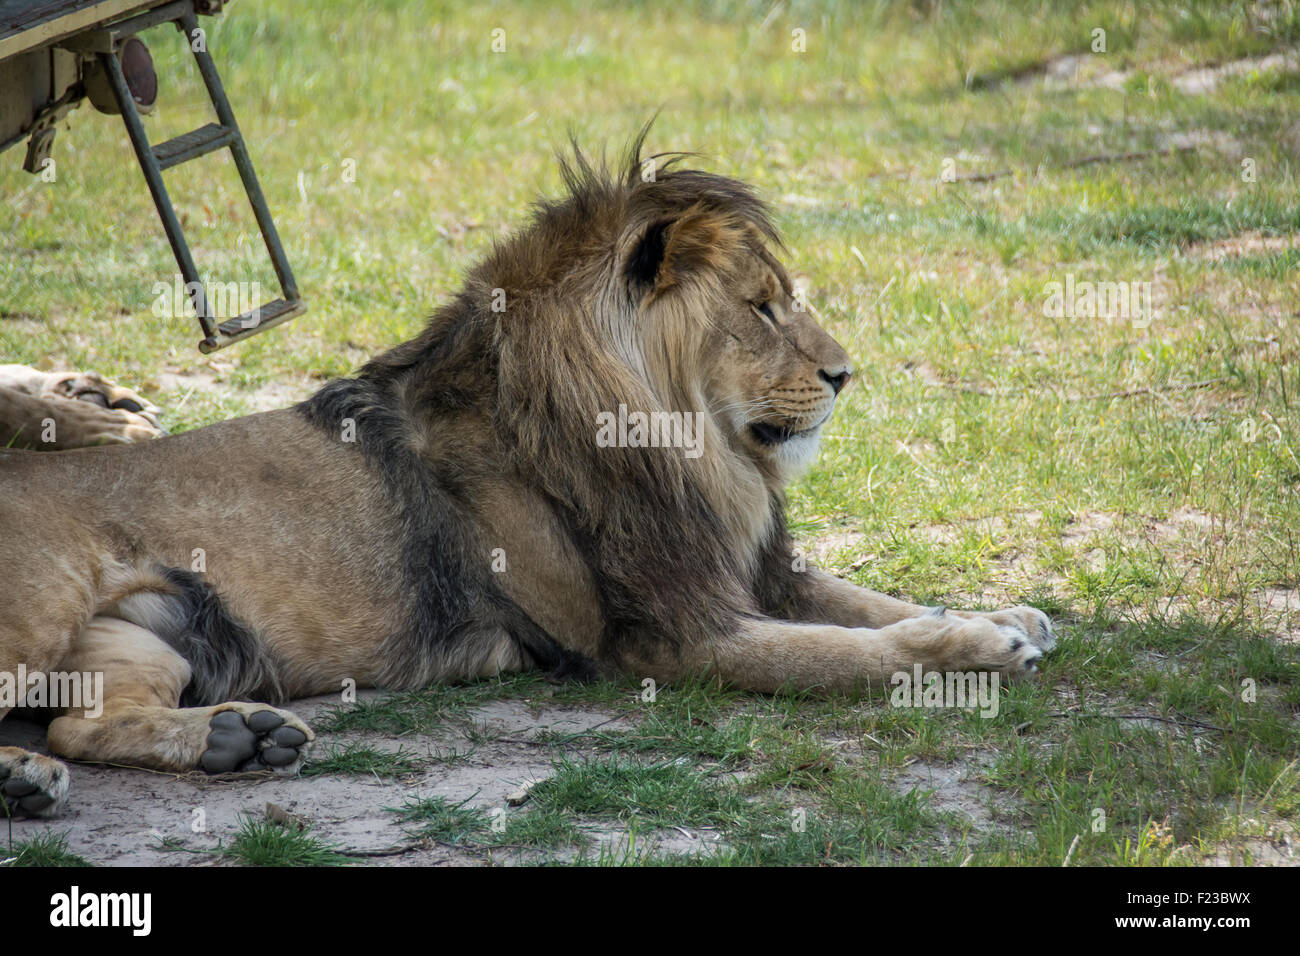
<point>977,642</point>
<point>1022,654</point>
<point>31,785</point>
<point>255,737</point>
<point>1029,621</point>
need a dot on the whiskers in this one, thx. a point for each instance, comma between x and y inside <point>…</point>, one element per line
<point>742,412</point>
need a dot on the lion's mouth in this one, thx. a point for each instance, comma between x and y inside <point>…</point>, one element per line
<point>766,433</point>
<point>774,434</point>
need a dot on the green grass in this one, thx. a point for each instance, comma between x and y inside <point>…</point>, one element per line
<point>435,818</point>
<point>1139,481</point>
<point>362,760</point>
<point>459,825</point>
<point>672,794</point>
<point>45,849</point>
<point>263,843</point>
<point>423,710</point>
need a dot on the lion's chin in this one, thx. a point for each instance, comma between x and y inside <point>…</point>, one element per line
<point>793,455</point>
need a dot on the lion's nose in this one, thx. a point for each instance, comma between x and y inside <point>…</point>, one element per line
<point>836,380</point>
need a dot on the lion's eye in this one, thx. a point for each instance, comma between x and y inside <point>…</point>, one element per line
<point>764,309</point>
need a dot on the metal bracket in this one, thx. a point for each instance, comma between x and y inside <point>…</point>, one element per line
<point>41,135</point>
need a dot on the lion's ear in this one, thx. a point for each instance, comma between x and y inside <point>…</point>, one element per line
<point>669,250</point>
<point>647,255</point>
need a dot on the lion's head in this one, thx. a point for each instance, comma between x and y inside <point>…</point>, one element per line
<point>659,289</point>
<point>715,308</point>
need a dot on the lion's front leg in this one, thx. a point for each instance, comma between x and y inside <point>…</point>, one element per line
<point>31,785</point>
<point>768,655</point>
<point>824,597</point>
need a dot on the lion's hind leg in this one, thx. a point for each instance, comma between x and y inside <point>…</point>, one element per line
<point>138,721</point>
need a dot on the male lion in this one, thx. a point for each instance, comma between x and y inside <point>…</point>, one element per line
<point>463,507</point>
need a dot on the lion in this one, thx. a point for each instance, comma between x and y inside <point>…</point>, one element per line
<point>482,499</point>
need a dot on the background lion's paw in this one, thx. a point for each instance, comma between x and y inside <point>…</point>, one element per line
<point>94,389</point>
<point>133,427</point>
<point>85,425</point>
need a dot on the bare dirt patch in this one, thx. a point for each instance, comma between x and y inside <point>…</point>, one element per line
<point>1246,244</point>
<point>178,383</point>
<point>1275,846</point>
<point>839,550</point>
<point>955,789</point>
<point>1085,70</point>
<point>1279,610</point>
<point>120,817</point>
<point>620,843</point>
<point>1205,79</point>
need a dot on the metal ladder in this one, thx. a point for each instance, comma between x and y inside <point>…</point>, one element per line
<point>213,136</point>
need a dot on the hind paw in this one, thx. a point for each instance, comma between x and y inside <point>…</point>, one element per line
<point>255,737</point>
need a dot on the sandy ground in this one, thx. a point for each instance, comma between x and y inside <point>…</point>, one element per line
<point>119,816</point>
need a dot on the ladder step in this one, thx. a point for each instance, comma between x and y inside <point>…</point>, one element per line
<point>268,314</point>
<point>193,144</point>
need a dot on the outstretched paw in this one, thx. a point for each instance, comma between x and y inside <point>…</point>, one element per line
<point>1022,654</point>
<point>255,737</point>
<point>1032,623</point>
<point>31,785</point>
<point>989,645</point>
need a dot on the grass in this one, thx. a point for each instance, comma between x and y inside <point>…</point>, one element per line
<point>672,794</point>
<point>263,843</point>
<point>456,824</point>
<point>361,760</point>
<point>1139,480</point>
<point>435,818</point>
<point>44,849</point>
<point>421,711</point>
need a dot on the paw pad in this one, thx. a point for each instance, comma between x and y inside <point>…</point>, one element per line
<point>259,741</point>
